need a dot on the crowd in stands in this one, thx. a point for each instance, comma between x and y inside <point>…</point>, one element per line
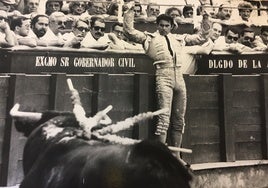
<point>83,24</point>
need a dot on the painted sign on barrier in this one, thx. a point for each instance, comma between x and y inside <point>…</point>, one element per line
<point>220,62</point>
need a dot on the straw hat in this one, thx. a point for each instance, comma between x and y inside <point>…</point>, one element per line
<point>10,2</point>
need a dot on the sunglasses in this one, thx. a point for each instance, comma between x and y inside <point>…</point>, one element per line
<point>249,38</point>
<point>62,23</point>
<point>119,32</point>
<point>79,5</point>
<point>3,18</point>
<point>232,38</point>
<point>97,28</point>
<point>191,13</point>
<point>83,29</point>
<point>154,10</point>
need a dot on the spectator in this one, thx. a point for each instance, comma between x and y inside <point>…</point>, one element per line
<point>53,6</point>
<point>97,8</point>
<point>79,31</point>
<point>173,12</point>
<point>176,14</point>
<point>96,38</point>
<point>31,7</point>
<point>57,24</point>
<point>189,65</point>
<point>139,16</point>
<point>7,5</point>
<point>152,11</point>
<point>39,25</point>
<point>188,11</point>
<point>118,38</point>
<point>247,37</point>
<point>112,11</point>
<point>224,12</point>
<point>208,9</point>
<point>188,14</point>
<point>21,27</point>
<point>245,10</point>
<point>40,28</point>
<point>77,8</point>
<point>229,42</point>
<point>6,35</point>
<point>215,31</point>
<point>261,41</point>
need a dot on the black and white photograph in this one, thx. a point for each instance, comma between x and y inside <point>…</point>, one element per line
<point>133,93</point>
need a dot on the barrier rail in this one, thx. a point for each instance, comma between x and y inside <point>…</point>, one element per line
<point>74,61</point>
<point>226,118</point>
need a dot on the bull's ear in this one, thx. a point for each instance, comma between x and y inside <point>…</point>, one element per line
<point>24,126</point>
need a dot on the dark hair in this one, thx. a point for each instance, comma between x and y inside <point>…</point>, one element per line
<point>36,18</point>
<point>152,4</point>
<point>169,10</point>
<point>264,28</point>
<point>247,30</point>
<point>73,3</point>
<point>233,29</point>
<point>166,18</point>
<point>17,22</point>
<point>111,8</point>
<point>186,8</point>
<point>244,5</point>
<point>116,24</point>
<point>137,4</point>
<point>49,1</point>
<point>94,19</point>
<point>60,2</point>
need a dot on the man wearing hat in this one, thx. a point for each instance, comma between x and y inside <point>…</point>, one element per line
<point>7,5</point>
<point>6,35</point>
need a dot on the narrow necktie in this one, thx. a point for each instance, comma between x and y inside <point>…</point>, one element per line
<point>169,46</point>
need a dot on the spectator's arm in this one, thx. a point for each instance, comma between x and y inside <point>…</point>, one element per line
<point>10,39</point>
<point>58,43</point>
<point>72,42</point>
<point>206,48</point>
<point>31,42</point>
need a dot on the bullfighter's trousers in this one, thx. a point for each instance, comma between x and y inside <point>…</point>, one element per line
<point>171,94</point>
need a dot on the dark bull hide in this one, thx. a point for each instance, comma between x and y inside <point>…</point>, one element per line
<point>69,150</point>
<point>57,155</point>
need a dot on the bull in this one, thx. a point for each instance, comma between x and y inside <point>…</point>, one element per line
<point>69,150</point>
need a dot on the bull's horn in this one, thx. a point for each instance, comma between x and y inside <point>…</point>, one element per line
<point>34,116</point>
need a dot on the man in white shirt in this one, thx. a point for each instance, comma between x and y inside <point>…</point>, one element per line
<point>21,28</point>
<point>57,26</point>
<point>40,27</point>
<point>74,38</point>
<point>229,42</point>
<point>96,38</point>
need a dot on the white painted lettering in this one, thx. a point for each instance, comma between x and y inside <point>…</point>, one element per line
<point>242,63</point>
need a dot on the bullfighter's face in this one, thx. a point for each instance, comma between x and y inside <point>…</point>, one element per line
<point>164,27</point>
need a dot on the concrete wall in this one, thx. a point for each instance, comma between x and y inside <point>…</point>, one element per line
<point>253,176</point>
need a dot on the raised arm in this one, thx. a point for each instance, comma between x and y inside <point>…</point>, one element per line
<point>132,33</point>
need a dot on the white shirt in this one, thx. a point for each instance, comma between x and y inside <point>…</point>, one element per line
<point>90,42</point>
